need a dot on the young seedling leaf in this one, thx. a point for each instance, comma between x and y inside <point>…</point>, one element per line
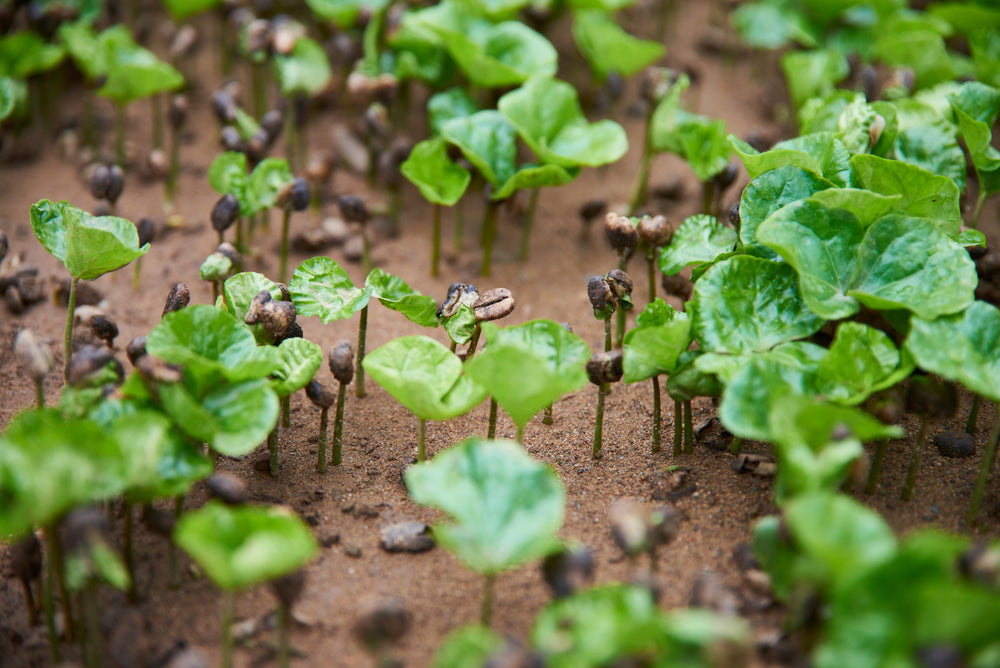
<point>228,175</point>
<point>700,239</point>
<point>608,48</point>
<point>88,246</point>
<point>820,153</point>
<point>83,47</point>
<point>758,388</point>
<point>396,295</point>
<point>747,304</point>
<point>344,13</point>
<point>897,262</point>
<point>460,326</point>
<point>133,73</point>
<point>467,647</point>
<point>298,361</point>
<point>239,291</point>
<point>934,147</point>
<point>813,73</point>
<point>687,381</point>
<point>767,25</point>
<point>26,53</point>
<point>530,176</point>
<point>530,366</point>
<point>505,507</point>
<point>975,108</point>
<point>546,114</point>
<point>319,286</point>
<point>922,50</point>
<point>446,105</point>
<point>488,141</point>
<point>306,70</point>
<point>181,10</point>
<point>799,354</point>
<point>241,546</point>
<point>653,347</point>
<point>770,191</point>
<point>424,376</point>
<point>266,181</point>
<point>429,168</point>
<point>861,360</point>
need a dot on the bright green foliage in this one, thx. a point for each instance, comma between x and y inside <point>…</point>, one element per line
<point>344,13</point>
<point>467,647</point>
<point>429,168</point>
<point>256,192</point>
<point>928,139</point>
<point>95,560</point>
<point>305,70</point>
<point>975,108</point>
<point>449,104</point>
<point>985,48</point>
<point>653,347</point>
<point>724,366</point>
<point>216,267</point>
<point>700,140</point>
<point>25,53</point>
<point>298,361</point>
<point>686,381</point>
<point>820,153</point>
<point>504,507</point>
<point>84,47</point>
<point>319,286</point>
<point>11,92</point>
<point>700,239</point>
<point>528,367</point>
<point>762,383</point>
<point>181,10</point>
<point>88,246</point>
<point>861,360</point>
<point>608,48</point>
<point>771,25</point>
<point>424,376</point>
<point>925,195</point>
<point>546,114</point>
<point>133,73</point>
<point>397,296</point>
<point>242,546</point>
<point>238,292</point>
<point>769,192</point>
<point>920,49</point>
<point>897,262</point>
<point>813,73</point>
<point>461,326</point>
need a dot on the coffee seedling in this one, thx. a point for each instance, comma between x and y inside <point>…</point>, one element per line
<point>224,213</point>
<point>620,284</point>
<point>294,196</point>
<point>178,298</point>
<point>491,305</point>
<point>342,367</point>
<point>218,266</point>
<point>603,369</point>
<point>35,360</point>
<point>655,231</point>
<point>322,398</point>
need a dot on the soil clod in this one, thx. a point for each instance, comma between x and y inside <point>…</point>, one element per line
<point>410,536</point>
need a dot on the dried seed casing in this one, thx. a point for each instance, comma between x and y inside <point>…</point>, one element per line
<point>178,298</point>
<point>605,367</point>
<point>342,361</point>
<point>493,304</point>
<point>621,232</point>
<point>320,395</point>
<point>655,230</point>
<point>225,212</point>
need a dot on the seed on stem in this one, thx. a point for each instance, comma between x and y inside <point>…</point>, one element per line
<point>178,298</point>
<point>342,368</point>
<point>321,397</point>
<point>603,369</point>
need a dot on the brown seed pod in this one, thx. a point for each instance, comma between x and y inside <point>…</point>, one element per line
<point>655,230</point>
<point>286,295</point>
<point>100,181</point>
<point>227,488</point>
<point>178,298</point>
<point>229,251</point>
<point>272,122</point>
<point>225,212</point>
<point>599,292</point>
<point>33,357</point>
<point>656,82</point>
<point>342,361</point>
<point>678,286</point>
<point>104,328</point>
<point>178,112</point>
<point>493,304</point>
<point>353,209</point>
<point>725,178</point>
<point>86,362</point>
<point>288,588</point>
<point>458,294</point>
<point>257,145</point>
<point>981,563</point>
<point>931,398</point>
<point>154,369</point>
<point>300,194</point>
<point>319,167</point>
<point>256,305</point>
<point>620,283</point>
<point>568,570</point>
<point>605,367</point>
<point>621,232</point>
<point>116,184</point>
<point>146,230</point>
<point>224,106</point>
<point>276,317</point>
<point>231,140</point>
<point>320,395</point>
<point>135,349</point>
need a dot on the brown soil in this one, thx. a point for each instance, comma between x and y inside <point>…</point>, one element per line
<point>719,507</point>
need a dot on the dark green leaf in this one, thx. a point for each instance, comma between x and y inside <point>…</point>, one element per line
<point>687,382</point>
<point>976,109</point>
<point>26,53</point>
<point>488,142</point>
<point>699,239</point>
<point>133,73</point>
<point>769,192</point>
<point>298,361</point>
<point>861,360</point>
<point>820,153</point>
<point>319,286</point>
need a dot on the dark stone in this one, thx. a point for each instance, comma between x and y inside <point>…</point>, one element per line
<point>956,444</point>
<point>352,550</point>
<point>329,540</point>
<point>410,536</point>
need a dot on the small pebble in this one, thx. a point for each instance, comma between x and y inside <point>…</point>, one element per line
<point>957,444</point>
<point>409,536</point>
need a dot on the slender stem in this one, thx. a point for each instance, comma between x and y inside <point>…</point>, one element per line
<point>736,445</point>
<point>980,200</point>
<point>619,326</point>
<point>40,393</point>
<point>137,274</point>
<point>520,433</point>
<point>215,291</point>
<point>272,447</point>
<point>120,128</point>
<point>228,615</point>
<point>170,185</point>
<point>602,390</point>
<point>128,554</point>
<point>656,413</point>
<point>491,430</point>
<point>970,426</point>
<point>286,411</point>
<point>489,235</point>
<point>678,433</point>
<point>91,613</point>
<point>651,262</point>
<point>707,197</point>
<point>70,312</point>
<point>359,371</point>
<point>175,571</point>
<point>547,416</point>
<point>688,429</point>
<point>48,606</point>
<point>258,85</point>
<point>421,440</point>
<point>156,101</point>
<point>915,458</point>
<point>29,601</point>
<point>321,450</point>
<point>436,242</point>
<point>639,190</point>
<point>283,643</point>
<point>56,555</point>
<point>487,608</point>
<point>291,135</point>
<point>366,250</point>
<point>984,471</point>
<point>286,216</point>
<point>459,224</point>
<point>529,220</point>
<point>607,333</point>
<point>876,468</point>
<point>474,342</point>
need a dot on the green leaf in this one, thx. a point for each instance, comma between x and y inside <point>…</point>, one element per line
<point>800,354</point>
<point>772,25</point>
<point>460,326</point>
<point>83,47</point>
<point>424,376</point>
<point>298,361</point>
<point>860,127</point>
<point>985,48</point>
<point>133,73</point>
<point>208,340</point>
<point>305,70</point>
<point>26,53</point>
<point>344,13</point>
<point>687,381</point>
<point>653,347</point>
<point>896,262</point>
<point>240,546</point>
<point>935,148</point>
<point>239,291</point>
<point>861,360</point>
<point>400,297</point>
<point>925,195</point>
<point>266,181</point>
<point>748,304</point>
<point>319,286</point>
<point>864,205</point>
<point>228,175</point>
<point>8,97</point>
<point>964,347</point>
<point>216,267</point>
<point>531,176</point>
<point>488,141</point>
<point>181,10</point>
<point>976,109</point>
<point>243,415</point>
<point>429,168</point>
<point>921,50</point>
<point>666,118</point>
<point>467,647</point>
<point>704,144</point>
<point>529,367</point>
<point>700,239</point>
<point>547,115</point>
<point>771,191</point>
<point>608,48</point>
<point>449,104</point>
<point>505,508</point>
<point>813,73</point>
<point>88,246</point>
<point>758,389</point>
<point>821,153</point>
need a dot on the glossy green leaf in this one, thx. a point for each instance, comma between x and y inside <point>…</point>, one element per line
<point>344,13</point>
<point>660,336</point>
<point>771,25</point>
<point>530,366</point>
<point>864,205</point>
<point>243,415</point>
<point>26,53</point>
<point>964,347</point>
<point>748,304</point>
<point>985,48</point>
<point>704,144</point>
<point>976,109</point>
<point>424,376</point>
<point>608,48</point>
<point>769,192</point>
<point>820,153</point>
<point>467,647</point>
<point>686,381</point>
<point>266,181</point>
<point>897,262</point>
<point>133,72</point>
<point>921,50</point>
<point>860,126</point>
<point>822,114</point>
<point>181,10</point>
<point>666,118</point>
<point>319,286</point>
<point>83,47</point>
<point>305,70</point>
<point>396,295</point>
<point>935,148</point>
<point>228,175</point>
<point>504,507</point>
<point>460,326</point>
<point>546,114</point>
<point>758,388</point>
<point>813,73</point>
<point>861,360</point>
<point>88,246</point>
<point>724,366</point>
<point>449,104</point>
<point>240,546</point>
<point>488,141</point>
<point>239,291</point>
<point>429,168</point>
<point>298,361</point>
<point>699,239</point>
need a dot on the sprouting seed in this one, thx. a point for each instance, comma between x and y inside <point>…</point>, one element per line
<point>656,232</point>
<point>342,367</point>
<point>35,359</point>
<point>603,369</point>
<point>294,196</point>
<point>178,298</point>
<point>458,294</point>
<point>224,105</point>
<point>321,397</point>
<point>100,181</point>
<point>231,140</point>
<point>86,363</point>
<point>135,349</point>
<point>275,316</point>
<point>568,570</point>
<point>104,329</point>
<point>493,304</point>
<point>621,233</point>
<point>224,213</point>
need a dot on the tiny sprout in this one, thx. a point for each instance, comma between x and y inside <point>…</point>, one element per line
<point>656,82</point>
<point>321,397</point>
<point>603,369</point>
<point>568,570</point>
<point>35,359</point>
<point>257,145</point>
<point>628,527</point>
<point>621,233</point>
<point>224,213</point>
<point>342,367</point>
<point>178,298</point>
<point>599,293</point>
<point>293,196</point>
<point>146,230</point>
<point>319,167</point>
<point>228,251</point>
<point>135,349</point>
<point>621,285</point>
<point>227,488</point>
<point>104,329</point>
<point>284,33</point>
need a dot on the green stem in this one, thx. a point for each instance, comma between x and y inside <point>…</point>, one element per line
<point>656,413</point>
<point>286,216</point>
<point>651,262</point>
<point>128,553</point>
<point>688,429</point>
<point>274,466</point>
<point>56,555</point>
<point>359,371</point>
<point>547,416</point>
<point>970,425</point>
<point>980,200</point>
<point>321,449</point>
<point>474,342</point>
<point>529,220</point>
<point>459,224</point>
<point>984,471</point>
<point>170,185</point>
<point>602,391</point>
<point>40,393</point>
<point>215,291</point>
<point>283,642</point>
<point>736,445</point>
<point>258,84</point>
<point>228,615</point>
<point>91,613</point>
<point>70,313</point>
<point>607,333</point>
<point>707,197</point>
<point>120,128</point>
<point>489,235</point>
<point>421,440</point>
<point>491,430</point>
<point>436,242</point>
<point>156,101</point>
<point>48,606</point>
<point>487,608</point>
<point>137,275</point>
<point>175,571</point>
<point>520,434</point>
<point>876,468</point>
<point>286,411</point>
<point>620,326</point>
<point>639,190</point>
<point>915,459</point>
<point>678,432</point>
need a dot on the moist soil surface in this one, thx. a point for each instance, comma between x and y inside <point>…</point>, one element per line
<point>348,506</point>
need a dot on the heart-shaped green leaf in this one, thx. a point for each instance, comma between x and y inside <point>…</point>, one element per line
<point>133,73</point>
<point>467,647</point>
<point>861,360</point>
<point>761,385</point>
<point>319,286</point>
<point>608,48</point>
<point>699,239</point>
<point>975,108</point>
<point>396,295</point>
<point>266,181</point>
<point>505,507</point>
<point>770,191</point>
<point>26,53</point>
<point>660,336</point>
<point>488,141</point>
<point>429,168</point>
<point>449,104</point>
<point>298,361</point>
<point>687,381</point>
<point>530,176</point>
<point>820,153</point>
<point>305,70</point>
